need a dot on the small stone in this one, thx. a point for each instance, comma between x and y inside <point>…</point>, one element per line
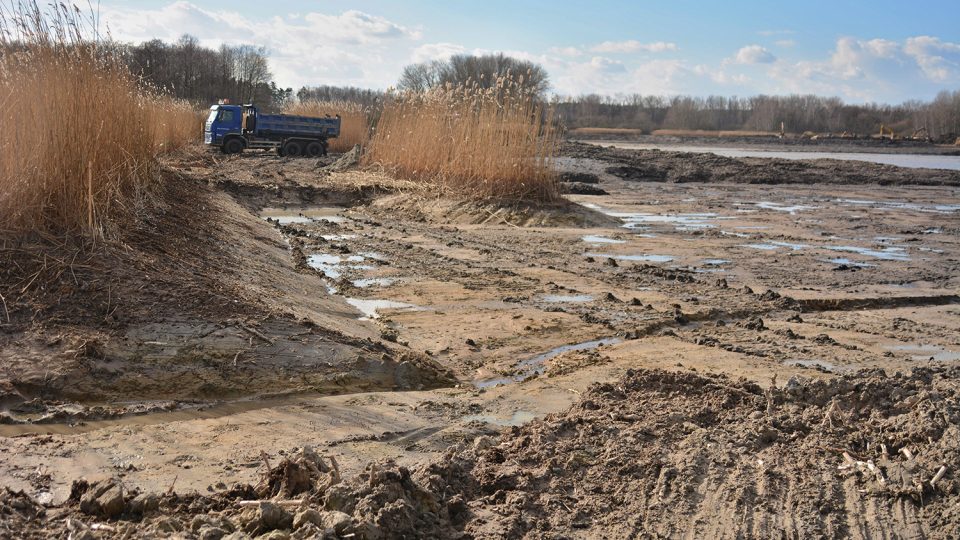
<point>111,502</point>
<point>337,497</point>
<point>209,532</point>
<point>335,520</point>
<point>305,517</point>
<point>144,503</point>
<point>168,525</point>
<point>311,531</point>
<point>482,443</point>
<point>275,535</point>
<point>272,516</point>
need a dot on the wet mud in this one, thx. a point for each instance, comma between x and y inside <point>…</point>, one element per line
<point>601,367</point>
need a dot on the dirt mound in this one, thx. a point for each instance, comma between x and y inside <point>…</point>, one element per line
<point>198,299</point>
<point>578,188</point>
<point>667,166</point>
<point>657,454</point>
<point>416,207</point>
<point>667,454</point>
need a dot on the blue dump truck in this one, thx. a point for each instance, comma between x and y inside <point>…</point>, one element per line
<point>235,128</point>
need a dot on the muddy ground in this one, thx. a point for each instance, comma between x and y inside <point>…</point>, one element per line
<point>946,147</point>
<point>275,304</point>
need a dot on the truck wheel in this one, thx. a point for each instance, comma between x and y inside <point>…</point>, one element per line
<point>292,149</point>
<point>315,149</point>
<point>233,146</point>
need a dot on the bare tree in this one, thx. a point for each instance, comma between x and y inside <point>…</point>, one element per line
<point>484,71</point>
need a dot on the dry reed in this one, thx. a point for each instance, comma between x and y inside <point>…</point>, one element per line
<point>79,134</point>
<point>354,120</point>
<point>496,143</point>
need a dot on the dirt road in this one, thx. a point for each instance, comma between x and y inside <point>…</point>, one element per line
<point>377,321</point>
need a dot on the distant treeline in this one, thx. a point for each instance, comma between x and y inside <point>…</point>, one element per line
<point>189,71</point>
<point>203,75</point>
<point>332,94</point>
<point>941,117</point>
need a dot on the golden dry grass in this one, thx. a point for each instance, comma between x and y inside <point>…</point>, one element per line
<point>80,135</point>
<point>497,143</point>
<point>354,120</point>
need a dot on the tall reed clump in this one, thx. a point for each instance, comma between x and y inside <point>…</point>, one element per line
<point>494,143</point>
<point>354,120</point>
<point>79,134</point>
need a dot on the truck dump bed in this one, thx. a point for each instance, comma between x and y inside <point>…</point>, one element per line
<point>286,125</point>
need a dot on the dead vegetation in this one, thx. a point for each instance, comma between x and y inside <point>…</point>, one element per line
<point>81,133</point>
<point>496,143</point>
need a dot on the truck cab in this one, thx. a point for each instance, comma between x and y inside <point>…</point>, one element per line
<point>223,120</point>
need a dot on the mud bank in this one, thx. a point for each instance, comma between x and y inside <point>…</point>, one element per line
<point>652,454</point>
<point>370,317</point>
<point>869,145</point>
<point>664,166</point>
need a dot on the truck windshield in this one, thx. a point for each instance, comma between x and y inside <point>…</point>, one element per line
<point>213,115</point>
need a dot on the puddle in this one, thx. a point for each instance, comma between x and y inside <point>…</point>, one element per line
<point>815,364</point>
<point>333,266</point>
<point>927,351</point>
<point>374,282</point>
<point>575,298</point>
<point>715,262</point>
<point>641,258</point>
<point>638,220</point>
<point>535,365</point>
<point>848,262</point>
<point>594,239</point>
<point>770,246</point>
<point>901,205</point>
<point>287,216</point>
<point>764,247</point>
<point>337,237</point>
<point>518,418</point>
<point>370,307</point>
<point>887,253</point>
<point>767,205</point>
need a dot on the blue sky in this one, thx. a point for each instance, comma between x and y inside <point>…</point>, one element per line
<point>861,51</point>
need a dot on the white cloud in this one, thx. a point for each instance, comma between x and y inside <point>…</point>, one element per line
<point>362,49</point>
<point>875,69</point>
<point>631,45</point>
<point>754,54</point>
<point>436,51</point>
<point>939,60</point>
<point>305,49</point>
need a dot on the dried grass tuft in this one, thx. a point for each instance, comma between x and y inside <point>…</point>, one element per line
<point>495,143</point>
<point>79,134</point>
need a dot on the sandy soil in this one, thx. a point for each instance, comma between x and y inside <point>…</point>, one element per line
<point>238,339</point>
